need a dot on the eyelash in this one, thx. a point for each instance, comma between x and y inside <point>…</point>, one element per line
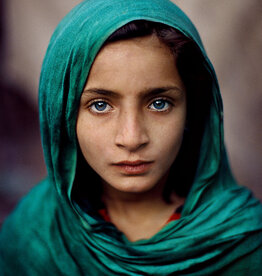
<point>91,106</point>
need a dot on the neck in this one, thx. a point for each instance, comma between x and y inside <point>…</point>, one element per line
<point>139,215</point>
<point>119,200</point>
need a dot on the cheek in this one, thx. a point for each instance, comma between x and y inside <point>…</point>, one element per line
<point>173,140</point>
<point>92,139</point>
<point>169,138</point>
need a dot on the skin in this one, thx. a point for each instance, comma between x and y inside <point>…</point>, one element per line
<point>133,107</point>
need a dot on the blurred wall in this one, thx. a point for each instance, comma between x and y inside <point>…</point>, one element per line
<point>231,32</point>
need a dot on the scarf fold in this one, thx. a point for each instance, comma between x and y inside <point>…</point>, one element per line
<point>220,230</point>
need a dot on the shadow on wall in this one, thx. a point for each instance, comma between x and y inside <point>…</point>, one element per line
<point>21,159</point>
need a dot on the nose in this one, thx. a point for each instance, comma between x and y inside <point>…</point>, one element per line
<point>131,132</point>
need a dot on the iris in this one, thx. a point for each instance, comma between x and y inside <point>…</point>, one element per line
<point>160,104</point>
<point>100,106</point>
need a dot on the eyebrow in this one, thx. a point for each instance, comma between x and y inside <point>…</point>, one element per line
<point>101,91</point>
<point>147,92</point>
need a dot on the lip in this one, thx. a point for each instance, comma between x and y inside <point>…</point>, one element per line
<point>133,167</point>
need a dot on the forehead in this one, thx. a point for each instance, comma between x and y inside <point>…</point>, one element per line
<point>133,47</point>
<point>134,64</point>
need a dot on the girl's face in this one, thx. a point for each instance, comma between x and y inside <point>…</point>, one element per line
<point>132,114</point>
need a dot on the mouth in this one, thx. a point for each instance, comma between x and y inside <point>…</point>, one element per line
<point>137,167</point>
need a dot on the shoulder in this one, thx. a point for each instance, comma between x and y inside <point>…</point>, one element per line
<point>20,237</point>
<point>249,264</point>
<point>31,207</point>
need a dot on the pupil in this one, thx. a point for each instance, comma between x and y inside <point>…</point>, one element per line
<point>100,106</point>
<point>159,104</point>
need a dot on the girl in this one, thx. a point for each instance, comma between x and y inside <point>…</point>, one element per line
<point>138,179</point>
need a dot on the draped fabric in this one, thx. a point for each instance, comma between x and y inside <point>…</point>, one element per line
<point>220,230</point>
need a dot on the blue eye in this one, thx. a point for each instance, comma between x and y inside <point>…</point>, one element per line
<point>160,105</point>
<point>100,107</point>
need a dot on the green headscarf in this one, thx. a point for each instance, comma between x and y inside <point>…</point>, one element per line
<point>220,231</point>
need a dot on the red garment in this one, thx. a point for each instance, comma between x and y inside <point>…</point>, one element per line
<point>176,215</point>
<point>104,214</point>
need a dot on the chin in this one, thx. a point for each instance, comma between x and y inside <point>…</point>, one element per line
<point>134,185</point>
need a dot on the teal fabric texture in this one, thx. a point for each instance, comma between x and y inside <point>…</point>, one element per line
<point>220,231</point>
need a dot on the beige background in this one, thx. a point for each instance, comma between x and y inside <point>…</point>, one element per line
<point>232,34</point>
